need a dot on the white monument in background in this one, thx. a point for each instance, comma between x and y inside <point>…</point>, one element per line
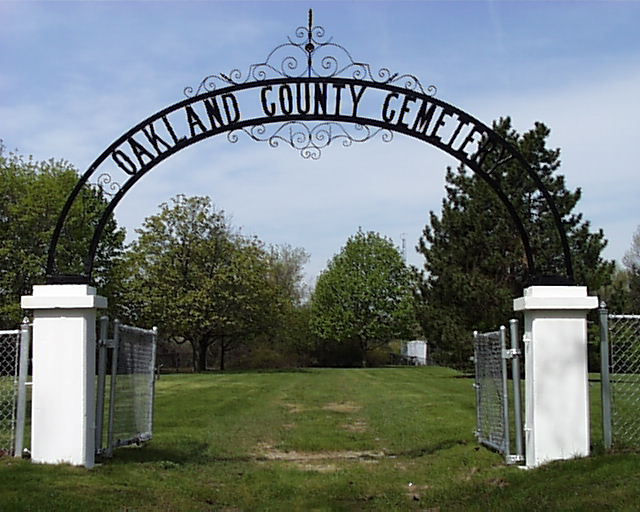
<point>416,349</point>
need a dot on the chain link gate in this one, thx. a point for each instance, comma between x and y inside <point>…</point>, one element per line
<point>492,392</point>
<point>620,374</point>
<point>131,378</point>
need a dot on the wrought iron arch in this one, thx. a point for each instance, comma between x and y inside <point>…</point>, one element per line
<point>308,93</point>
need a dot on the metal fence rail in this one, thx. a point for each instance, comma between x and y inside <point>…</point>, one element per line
<point>620,351</point>
<point>492,392</point>
<point>131,386</point>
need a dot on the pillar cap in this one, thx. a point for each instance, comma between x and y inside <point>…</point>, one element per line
<point>63,296</point>
<point>555,298</point>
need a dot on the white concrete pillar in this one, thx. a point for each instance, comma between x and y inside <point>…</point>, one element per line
<point>63,394</point>
<point>557,385</point>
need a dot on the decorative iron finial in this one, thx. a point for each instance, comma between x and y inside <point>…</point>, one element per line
<point>325,59</point>
<point>309,46</point>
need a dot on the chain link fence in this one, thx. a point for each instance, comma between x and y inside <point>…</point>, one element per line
<point>14,366</point>
<point>620,338</point>
<point>492,392</point>
<point>9,352</point>
<point>131,386</point>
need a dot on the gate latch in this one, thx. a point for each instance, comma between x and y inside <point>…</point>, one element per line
<point>511,353</point>
<point>515,459</point>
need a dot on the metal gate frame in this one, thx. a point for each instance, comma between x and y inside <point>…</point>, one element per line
<point>104,344</point>
<point>513,354</point>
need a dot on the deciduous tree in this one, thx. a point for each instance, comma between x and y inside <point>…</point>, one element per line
<point>32,195</point>
<point>632,262</point>
<point>365,295</point>
<point>199,281</point>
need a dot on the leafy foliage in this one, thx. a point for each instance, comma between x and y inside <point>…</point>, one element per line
<point>32,195</point>
<point>199,281</point>
<point>365,296</point>
<point>474,260</point>
<point>617,294</point>
<point>292,339</point>
<point>632,262</point>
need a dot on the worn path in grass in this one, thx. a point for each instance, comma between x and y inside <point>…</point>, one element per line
<point>322,439</point>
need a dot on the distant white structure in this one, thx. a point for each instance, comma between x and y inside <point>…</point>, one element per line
<point>417,350</point>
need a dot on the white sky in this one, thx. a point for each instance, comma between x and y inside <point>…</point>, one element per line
<point>74,76</point>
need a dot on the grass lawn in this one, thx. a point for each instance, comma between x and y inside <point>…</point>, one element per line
<point>320,439</point>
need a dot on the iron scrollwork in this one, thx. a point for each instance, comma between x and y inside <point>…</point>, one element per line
<point>310,53</point>
<point>308,139</point>
<point>107,185</point>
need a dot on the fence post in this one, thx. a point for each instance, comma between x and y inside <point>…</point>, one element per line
<point>476,385</point>
<point>153,379</point>
<point>23,371</point>
<point>102,377</point>
<point>112,389</point>
<point>505,392</point>
<point>605,381</point>
<point>515,374</point>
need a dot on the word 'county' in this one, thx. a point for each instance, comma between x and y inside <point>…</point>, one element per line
<point>310,98</point>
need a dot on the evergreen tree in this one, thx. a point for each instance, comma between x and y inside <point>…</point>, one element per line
<point>474,260</point>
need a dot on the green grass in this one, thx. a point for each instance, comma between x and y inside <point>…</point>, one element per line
<point>358,439</point>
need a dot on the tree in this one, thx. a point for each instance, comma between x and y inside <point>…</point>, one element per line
<point>291,340</point>
<point>287,265</point>
<point>632,262</point>
<point>474,260</point>
<point>365,296</point>
<point>32,195</point>
<point>617,294</point>
<point>198,281</point>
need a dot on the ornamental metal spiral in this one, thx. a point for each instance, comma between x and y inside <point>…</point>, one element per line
<point>310,53</point>
<point>107,185</point>
<point>308,139</point>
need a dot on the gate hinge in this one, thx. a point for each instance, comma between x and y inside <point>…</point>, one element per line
<point>107,343</point>
<point>510,353</point>
<point>514,459</point>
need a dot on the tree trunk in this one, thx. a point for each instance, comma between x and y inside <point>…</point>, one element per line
<point>194,357</point>
<point>202,356</point>
<point>222,349</point>
<point>363,349</point>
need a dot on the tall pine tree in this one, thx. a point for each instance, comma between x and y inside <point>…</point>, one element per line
<point>474,260</point>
